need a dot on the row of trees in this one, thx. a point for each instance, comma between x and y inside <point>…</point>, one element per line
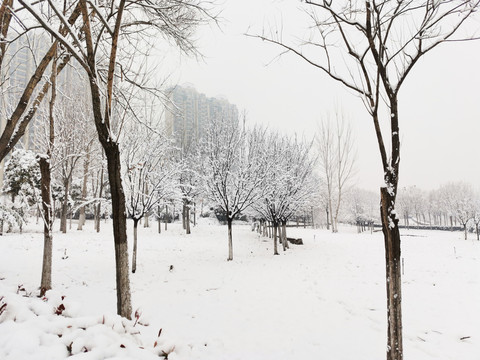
<point>452,204</point>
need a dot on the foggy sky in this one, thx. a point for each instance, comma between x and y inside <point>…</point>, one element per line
<point>439,103</point>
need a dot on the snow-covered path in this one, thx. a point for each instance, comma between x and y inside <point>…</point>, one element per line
<point>322,300</point>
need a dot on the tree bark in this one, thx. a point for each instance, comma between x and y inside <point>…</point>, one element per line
<point>81,218</point>
<point>284,235</point>
<point>46,282</point>
<point>230,239</point>
<point>330,209</point>
<point>328,222</point>
<point>46,191</point>
<point>184,215</point>
<point>98,206</point>
<point>63,215</point>
<point>393,276</point>
<point>134,254</point>
<point>124,307</point>
<point>275,244</point>
<point>187,219</point>
<point>159,220</point>
<point>194,215</point>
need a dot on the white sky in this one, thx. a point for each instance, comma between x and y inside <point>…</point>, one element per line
<point>439,103</point>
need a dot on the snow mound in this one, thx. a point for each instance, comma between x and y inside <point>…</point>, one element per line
<point>49,328</point>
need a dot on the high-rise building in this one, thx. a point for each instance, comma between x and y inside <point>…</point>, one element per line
<point>21,67</point>
<point>189,112</point>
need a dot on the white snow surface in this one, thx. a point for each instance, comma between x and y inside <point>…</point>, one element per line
<point>323,300</point>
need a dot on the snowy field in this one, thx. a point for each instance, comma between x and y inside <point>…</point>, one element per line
<point>323,300</point>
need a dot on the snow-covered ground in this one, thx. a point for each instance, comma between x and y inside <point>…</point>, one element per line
<point>322,300</point>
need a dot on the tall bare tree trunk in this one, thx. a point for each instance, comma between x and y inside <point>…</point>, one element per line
<point>328,217</point>
<point>46,282</point>
<point>46,193</point>
<point>64,212</point>
<point>393,276</point>
<point>124,306</point>
<point>159,220</point>
<point>187,219</point>
<point>134,254</point>
<point>98,206</point>
<point>81,217</point>
<point>330,209</point>
<point>284,235</point>
<point>230,239</point>
<point>275,244</point>
<point>112,152</point>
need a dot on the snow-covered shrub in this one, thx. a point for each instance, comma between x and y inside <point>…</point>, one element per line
<point>9,216</point>
<point>22,175</point>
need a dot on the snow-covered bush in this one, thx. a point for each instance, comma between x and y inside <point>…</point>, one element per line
<point>22,176</point>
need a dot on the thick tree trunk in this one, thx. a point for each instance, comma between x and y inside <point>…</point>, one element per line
<point>330,209</point>
<point>476,231</point>
<point>187,219</point>
<point>112,152</point>
<point>184,215</point>
<point>230,239</point>
<point>328,222</point>
<point>98,206</point>
<point>393,276</point>
<point>275,243</point>
<point>284,235</point>
<point>159,220</point>
<point>194,215</point>
<point>465,230</point>
<point>81,218</point>
<point>46,282</point>
<point>134,254</point>
<point>63,215</point>
<point>124,306</point>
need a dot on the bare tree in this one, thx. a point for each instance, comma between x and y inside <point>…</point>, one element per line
<point>459,199</point>
<point>232,172</point>
<point>190,180</point>
<point>46,190</point>
<point>326,158</point>
<point>149,175</point>
<point>289,185</point>
<point>370,48</point>
<point>72,133</point>
<point>335,146</point>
